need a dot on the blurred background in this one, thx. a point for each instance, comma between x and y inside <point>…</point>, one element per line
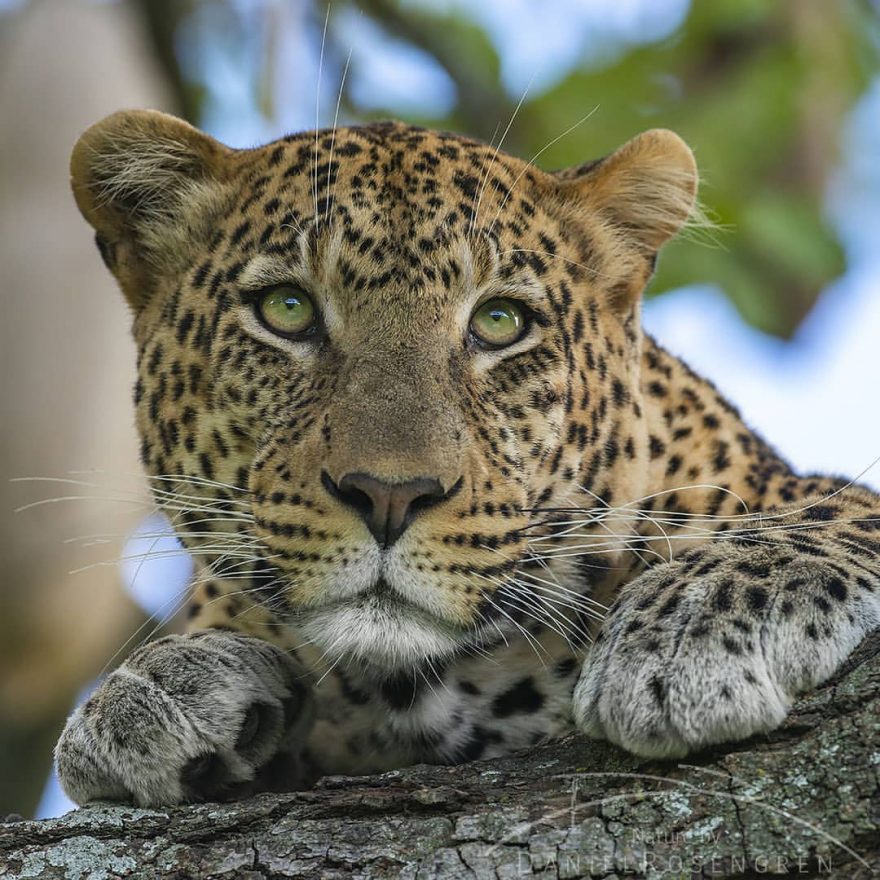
<point>780,305</point>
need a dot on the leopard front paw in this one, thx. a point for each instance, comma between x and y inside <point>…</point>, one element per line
<point>657,703</point>
<point>186,718</point>
<point>714,648</point>
<point>670,674</point>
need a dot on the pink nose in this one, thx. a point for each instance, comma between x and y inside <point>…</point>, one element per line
<point>386,508</point>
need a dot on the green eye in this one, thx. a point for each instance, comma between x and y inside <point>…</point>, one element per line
<point>498,323</point>
<point>286,311</point>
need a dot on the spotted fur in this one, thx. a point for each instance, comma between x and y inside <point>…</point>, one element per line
<point>581,467</point>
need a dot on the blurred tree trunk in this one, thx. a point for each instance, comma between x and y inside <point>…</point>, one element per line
<point>161,19</point>
<point>803,801</point>
<point>67,363</point>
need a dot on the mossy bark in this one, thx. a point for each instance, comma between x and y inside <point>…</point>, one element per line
<point>803,801</point>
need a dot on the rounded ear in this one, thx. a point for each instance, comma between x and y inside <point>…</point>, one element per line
<point>148,183</point>
<point>647,188</point>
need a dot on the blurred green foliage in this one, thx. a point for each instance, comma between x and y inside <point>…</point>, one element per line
<point>759,88</point>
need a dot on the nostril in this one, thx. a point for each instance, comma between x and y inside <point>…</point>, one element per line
<point>427,494</point>
<point>348,493</point>
<point>328,483</point>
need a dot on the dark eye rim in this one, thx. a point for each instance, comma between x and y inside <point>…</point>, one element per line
<point>529,320</point>
<point>255,298</point>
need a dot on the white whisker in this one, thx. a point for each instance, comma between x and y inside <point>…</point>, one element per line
<point>318,115</point>
<point>532,161</point>
<point>331,188</point>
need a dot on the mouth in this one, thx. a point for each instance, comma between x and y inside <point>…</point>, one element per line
<point>381,600</point>
<point>382,591</point>
<point>380,628</point>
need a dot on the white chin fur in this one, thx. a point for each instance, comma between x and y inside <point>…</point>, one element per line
<point>377,633</point>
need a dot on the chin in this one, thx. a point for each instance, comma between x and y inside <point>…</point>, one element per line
<point>379,632</point>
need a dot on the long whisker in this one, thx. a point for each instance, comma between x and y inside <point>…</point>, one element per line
<point>537,647</point>
<point>575,599</point>
<point>532,161</point>
<point>555,585</point>
<point>541,614</point>
<point>552,605</point>
<point>549,609</point>
<point>331,186</point>
<point>475,210</point>
<point>318,115</point>
<point>483,178</point>
<point>215,570</point>
<point>63,498</point>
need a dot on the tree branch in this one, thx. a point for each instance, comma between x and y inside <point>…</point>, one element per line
<point>804,800</point>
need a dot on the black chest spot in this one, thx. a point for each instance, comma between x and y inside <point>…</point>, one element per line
<point>521,698</point>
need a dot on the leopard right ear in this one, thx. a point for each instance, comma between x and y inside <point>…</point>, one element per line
<point>150,184</point>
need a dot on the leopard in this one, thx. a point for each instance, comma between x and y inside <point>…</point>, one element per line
<point>446,498</point>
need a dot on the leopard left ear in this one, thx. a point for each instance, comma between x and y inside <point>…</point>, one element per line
<point>150,185</point>
<point>646,189</point>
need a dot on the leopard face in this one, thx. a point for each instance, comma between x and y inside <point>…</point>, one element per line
<point>372,360</point>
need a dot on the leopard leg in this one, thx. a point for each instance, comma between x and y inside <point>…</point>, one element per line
<point>714,646</point>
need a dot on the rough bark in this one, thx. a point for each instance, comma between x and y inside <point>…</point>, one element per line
<point>803,801</point>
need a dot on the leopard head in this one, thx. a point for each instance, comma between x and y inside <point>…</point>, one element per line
<point>371,359</point>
